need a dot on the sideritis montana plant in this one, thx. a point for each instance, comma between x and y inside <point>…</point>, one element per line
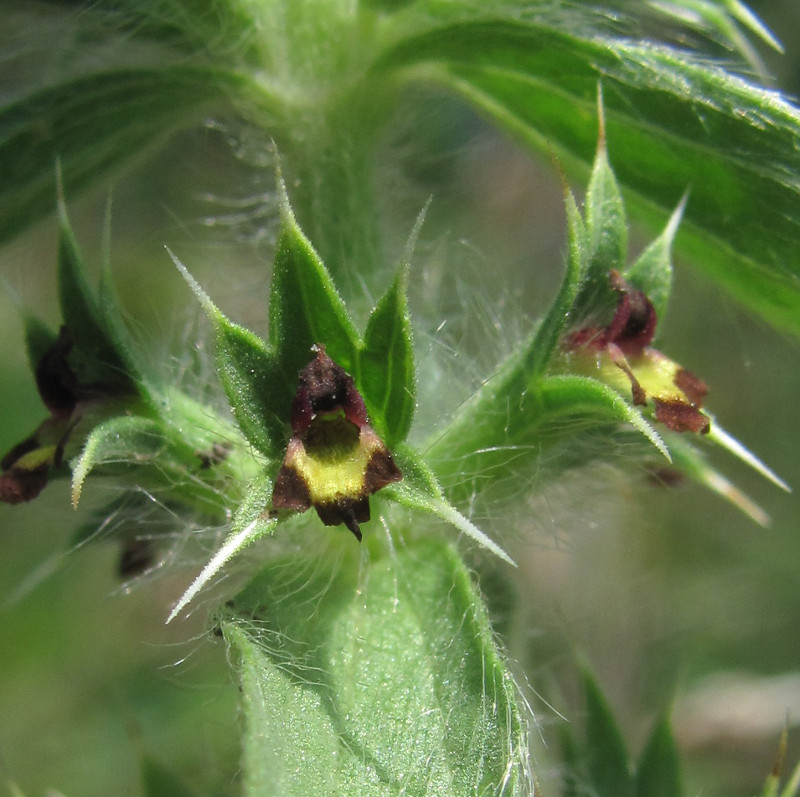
<point>361,485</point>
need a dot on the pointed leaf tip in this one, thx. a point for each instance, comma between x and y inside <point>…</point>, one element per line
<point>235,542</point>
<point>251,522</point>
<point>722,438</point>
<point>205,300</point>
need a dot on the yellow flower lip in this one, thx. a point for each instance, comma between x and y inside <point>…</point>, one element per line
<point>334,460</point>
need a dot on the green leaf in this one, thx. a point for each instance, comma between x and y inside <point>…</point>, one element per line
<point>676,122</point>
<point>387,365</point>
<point>658,771</point>
<point>720,17</point>
<point>305,307</point>
<point>259,396</point>
<point>92,125</point>
<point>252,521</point>
<point>377,677</point>
<point>607,762</point>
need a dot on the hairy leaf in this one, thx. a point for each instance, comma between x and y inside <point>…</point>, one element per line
<point>676,122</point>
<point>378,678</point>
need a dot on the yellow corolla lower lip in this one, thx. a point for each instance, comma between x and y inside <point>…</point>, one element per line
<point>334,471</point>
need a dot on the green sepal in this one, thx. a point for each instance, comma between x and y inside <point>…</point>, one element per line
<point>260,379</point>
<point>547,335</point>
<point>121,439</point>
<point>495,425</point>
<point>658,772</point>
<point>321,674</point>
<point>252,381</point>
<point>693,463</point>
<point>165,455</point>
<point>420,490</point>
<point>652,271</point>
<point>386,364</point>
<point>119,337</point>
<point>252,521</point>
<point>305,307</point>
<point>607,763</point>
<point>100,358</point>
<point>39,337</point>
<point>570,395</point>
<point>606,230</point>
<point>254,385</point>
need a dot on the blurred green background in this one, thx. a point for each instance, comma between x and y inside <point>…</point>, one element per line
<point>669,595</point>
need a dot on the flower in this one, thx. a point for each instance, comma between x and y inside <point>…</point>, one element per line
<point>334,460</point>
<point>620,355</point>
<point>70,398</point>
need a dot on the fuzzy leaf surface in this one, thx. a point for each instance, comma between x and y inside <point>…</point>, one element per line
<point>374,679</point>
<point>675,122</point>
<point>496,428</point>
